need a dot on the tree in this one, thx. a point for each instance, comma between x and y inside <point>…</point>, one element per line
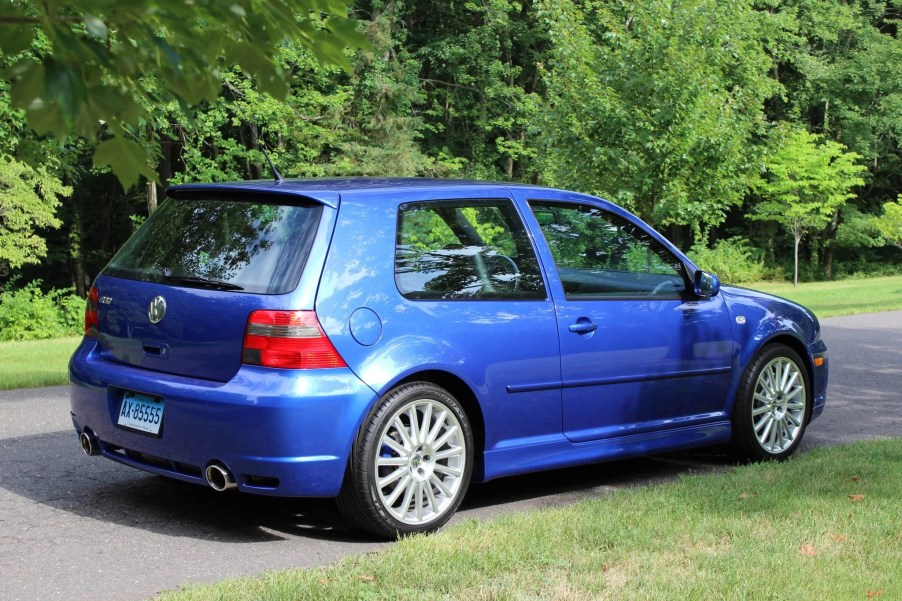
<point>803,182</point>
<point>84,66</point>
<point>890,224</point>
<point>28,200</point>
<point>479,72</point>
<point>656,104</point>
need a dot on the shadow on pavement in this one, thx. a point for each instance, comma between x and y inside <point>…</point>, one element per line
<point>50,469</point>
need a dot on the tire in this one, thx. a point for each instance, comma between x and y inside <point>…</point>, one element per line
<point>411,463</point>
<point>773,405</point>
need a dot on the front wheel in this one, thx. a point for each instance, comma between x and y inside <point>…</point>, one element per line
<point>411,463</point>
<point>773,405</point>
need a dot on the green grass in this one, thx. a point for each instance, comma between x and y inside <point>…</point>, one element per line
<point>35,362</point>
<point>825,525</point>
<point>843,297</point>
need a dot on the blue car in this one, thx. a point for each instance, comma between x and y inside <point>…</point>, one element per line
<point>388,341</point>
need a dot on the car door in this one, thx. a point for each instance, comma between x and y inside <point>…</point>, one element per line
<point>640,352</point>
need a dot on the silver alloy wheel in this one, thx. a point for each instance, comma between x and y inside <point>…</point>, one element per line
<point>421,462</point>
<point>778,406</point>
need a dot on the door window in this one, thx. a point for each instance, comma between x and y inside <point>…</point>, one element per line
<point>465,249</point>
<point>601,255</point>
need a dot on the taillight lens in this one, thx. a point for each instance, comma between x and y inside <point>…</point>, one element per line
<point>289,340</point>
<point>92,318</point>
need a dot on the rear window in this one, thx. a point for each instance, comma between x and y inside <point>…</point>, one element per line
<point>221,244</point>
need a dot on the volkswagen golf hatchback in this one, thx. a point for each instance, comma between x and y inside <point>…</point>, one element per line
<point>388,341</point>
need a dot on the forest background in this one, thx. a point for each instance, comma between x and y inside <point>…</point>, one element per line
<point>764,137</point>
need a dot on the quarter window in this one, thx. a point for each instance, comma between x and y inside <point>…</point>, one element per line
<point>601,255</point>
<point>466,249</point>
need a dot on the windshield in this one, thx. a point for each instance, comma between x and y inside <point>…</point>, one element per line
<point>221,244</point>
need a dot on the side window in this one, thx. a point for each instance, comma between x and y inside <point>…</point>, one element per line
<point>465,249</point>
<point>601,255</point>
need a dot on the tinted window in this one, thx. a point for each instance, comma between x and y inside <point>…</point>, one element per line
<point>599,254</point>
<point>224,244</point>
<point>465,249</point>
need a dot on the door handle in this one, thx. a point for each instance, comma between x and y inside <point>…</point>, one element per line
<point>583,327</point>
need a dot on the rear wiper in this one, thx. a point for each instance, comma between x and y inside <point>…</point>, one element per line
<point>199,282</point>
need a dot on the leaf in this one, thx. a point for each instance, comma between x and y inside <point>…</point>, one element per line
<point>838,537</point>
<point>808,550</point>
<point>857,498</point>
<point>872,594</point>
<point>65,88</point>
<point>16,39</point>
<point>127,159</point>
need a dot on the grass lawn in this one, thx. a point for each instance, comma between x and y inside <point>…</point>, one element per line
<point>825,525</point>
<point>35,362</point>
<point>843,297</point>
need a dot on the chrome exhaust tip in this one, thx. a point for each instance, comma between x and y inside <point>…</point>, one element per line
<point>219,477</point>
<point>89,443</point>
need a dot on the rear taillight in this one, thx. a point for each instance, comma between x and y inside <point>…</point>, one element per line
<point>289,340</point>
<point>92,318</point>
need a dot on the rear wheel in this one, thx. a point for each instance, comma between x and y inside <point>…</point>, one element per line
<point>773,405</point>
<point>411,463</point>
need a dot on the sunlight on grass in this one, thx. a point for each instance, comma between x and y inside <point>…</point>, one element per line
<point>824,525</point>
<point>36,362</point>
<point>842,297</point>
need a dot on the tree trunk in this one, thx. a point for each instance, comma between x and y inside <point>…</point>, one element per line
<point>795,275</point>
<point>151,198</point>
<point>76,256</point>
<point>828,245</point>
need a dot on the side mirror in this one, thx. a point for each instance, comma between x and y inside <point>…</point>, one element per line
<point>706,284</point>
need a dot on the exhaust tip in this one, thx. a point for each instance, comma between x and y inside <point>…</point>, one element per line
<point>89,443</point>
<point>219,477</point>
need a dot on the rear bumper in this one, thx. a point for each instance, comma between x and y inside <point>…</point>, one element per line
<point>280,432</point>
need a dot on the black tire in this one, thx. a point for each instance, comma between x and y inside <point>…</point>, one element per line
<point>429,466</point>
<point>771,411</point>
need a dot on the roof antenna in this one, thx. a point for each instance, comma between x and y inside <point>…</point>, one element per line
<point>275,172</point>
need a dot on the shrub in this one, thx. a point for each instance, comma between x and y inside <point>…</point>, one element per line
<point>734,260</point>
<point>31,314</point>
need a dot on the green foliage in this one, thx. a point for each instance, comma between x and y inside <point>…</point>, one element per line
<point>734,260</point>
<point>86,63</point>
<point>664,107</point>
<point>857,230</point>
<point>804,181</point>
<point>655,104</point>
<point>30,314</point>
<point>479,73</point>
<point>834,59</point>
<point>890,224</point>
<point>28,200</point>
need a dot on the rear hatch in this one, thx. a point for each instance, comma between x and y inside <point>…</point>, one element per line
<point>177,296</point>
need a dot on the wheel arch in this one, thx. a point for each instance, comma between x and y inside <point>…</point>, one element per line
<point>467,398</point>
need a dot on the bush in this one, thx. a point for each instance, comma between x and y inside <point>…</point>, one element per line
<point>31,314</point>
<point>734,260</point>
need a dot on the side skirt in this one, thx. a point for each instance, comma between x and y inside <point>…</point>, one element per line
<point>558,452</point>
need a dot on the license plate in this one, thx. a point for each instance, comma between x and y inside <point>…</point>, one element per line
<point>141,412</point>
